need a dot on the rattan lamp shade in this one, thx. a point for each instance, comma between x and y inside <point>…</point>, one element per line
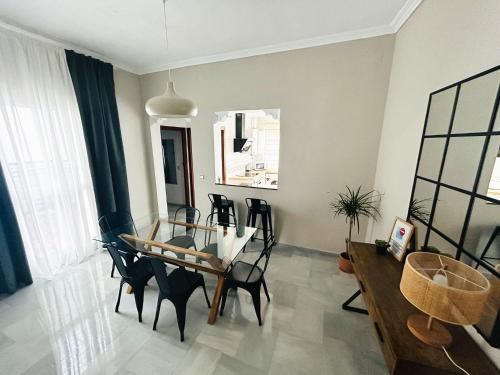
<point>457,294</point>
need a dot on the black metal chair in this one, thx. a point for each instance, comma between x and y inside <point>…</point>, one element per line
<point>221,204</point>
<point>192,216</point>
<point>249,277</point>
<point>112,225</point>
<point>211,247</point>
<point>260,207</point>
<point>177,287</point>
<point>136,274</point>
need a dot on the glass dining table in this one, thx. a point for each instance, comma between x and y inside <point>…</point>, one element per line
<point>182,241</point>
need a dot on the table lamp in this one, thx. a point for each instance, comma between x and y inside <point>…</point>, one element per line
<point>444,289</point>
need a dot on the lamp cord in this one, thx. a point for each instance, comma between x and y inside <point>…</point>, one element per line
<point>452,361</point>
<point>166,30</point>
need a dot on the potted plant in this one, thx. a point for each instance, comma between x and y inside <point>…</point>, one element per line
<point>382,246</point>
<point>353,204</point>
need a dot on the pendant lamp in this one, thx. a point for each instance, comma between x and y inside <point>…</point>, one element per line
<point>170,105</point>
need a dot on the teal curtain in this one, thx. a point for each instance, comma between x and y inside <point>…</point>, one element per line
<point>14,269</point>
<point>95,91</point>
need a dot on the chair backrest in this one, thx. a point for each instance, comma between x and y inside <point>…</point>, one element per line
<point>217,199</point>
<point>256,204</point>
<point>192,216</point>
<point>115,223</point>
<point>265,253</point>
<point>227,220</point>
<point>160,272</point>
<point>118,257</point>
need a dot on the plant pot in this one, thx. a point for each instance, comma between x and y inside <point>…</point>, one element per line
<point>345,263</point>
<point>381,250</point>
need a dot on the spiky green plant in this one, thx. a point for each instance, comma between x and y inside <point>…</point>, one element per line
<point>354,204</point>
<point>382,243</point>
<point>419,209</point>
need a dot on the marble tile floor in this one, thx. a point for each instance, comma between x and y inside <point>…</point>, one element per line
<point>68,326</point>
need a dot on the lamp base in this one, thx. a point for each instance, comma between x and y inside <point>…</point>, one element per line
<point>432,333</point>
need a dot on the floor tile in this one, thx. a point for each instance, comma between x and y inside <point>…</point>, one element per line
<point>228,365</point>
<point>200,359</point>
<point>155,357</point>
<point>68,325</point>
<point>284,293</point>
<point>294,355</point>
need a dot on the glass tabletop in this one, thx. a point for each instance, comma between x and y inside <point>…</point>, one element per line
<point>183,239</point>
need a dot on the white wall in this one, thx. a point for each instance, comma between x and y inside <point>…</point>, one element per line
<point>443,42</point>
<point>332,100</point>
<point>135,143</point>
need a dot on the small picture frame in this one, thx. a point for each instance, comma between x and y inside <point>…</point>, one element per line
<point>400,237</point>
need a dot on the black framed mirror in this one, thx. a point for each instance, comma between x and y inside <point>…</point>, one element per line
<point>456,187</point>
<point>457,178</point>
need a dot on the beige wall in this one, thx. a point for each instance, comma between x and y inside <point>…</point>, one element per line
<point>332,101</point>
<point>135,143</point>
<point>443,42</point>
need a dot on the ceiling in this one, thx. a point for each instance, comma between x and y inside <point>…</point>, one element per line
<point>130,34</point>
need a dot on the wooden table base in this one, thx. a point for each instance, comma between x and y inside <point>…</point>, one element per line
<point>212,317</point>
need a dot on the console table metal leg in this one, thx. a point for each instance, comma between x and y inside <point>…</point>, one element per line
<point>345,305</point>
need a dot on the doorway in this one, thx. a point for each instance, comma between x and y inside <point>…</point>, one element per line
<point>177,165</point>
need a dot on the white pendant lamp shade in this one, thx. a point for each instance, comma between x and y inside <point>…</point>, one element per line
<point>170,105</point>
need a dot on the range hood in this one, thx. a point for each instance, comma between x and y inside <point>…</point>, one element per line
<point>240,143</point>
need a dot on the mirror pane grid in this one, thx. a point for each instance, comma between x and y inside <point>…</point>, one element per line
<point>475,104</point>
<point>462,161</point>
<point>441,107</point>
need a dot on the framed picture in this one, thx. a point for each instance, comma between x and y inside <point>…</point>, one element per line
<point>401,234</point>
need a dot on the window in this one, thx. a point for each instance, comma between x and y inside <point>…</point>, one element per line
<point>246,148</point>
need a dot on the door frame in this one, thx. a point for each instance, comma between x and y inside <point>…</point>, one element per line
<point>187,161</point>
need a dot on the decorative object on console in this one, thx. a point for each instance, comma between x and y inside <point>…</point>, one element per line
<point>444,289</point>
<point>401,234</point>
<point>381,246</point>
<point>353,205</point>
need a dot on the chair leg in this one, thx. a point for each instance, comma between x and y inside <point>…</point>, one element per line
<point>139,299</point>
<point>271,230</point>
<point>180,310</point>
<point>119,295</point>
<point>158,305</point>
<point>265,290</point>
<point>205,291</point>
<point>255,292</point>
<point>224,296</point>
<point>265,230</point>
<point>247,224</point>
<point>113,270</point>
<point>254,220</point>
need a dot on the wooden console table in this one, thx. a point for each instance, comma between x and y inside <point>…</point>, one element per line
<point>378,278</point>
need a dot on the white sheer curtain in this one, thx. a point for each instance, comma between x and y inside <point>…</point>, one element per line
<point>43,154</point>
